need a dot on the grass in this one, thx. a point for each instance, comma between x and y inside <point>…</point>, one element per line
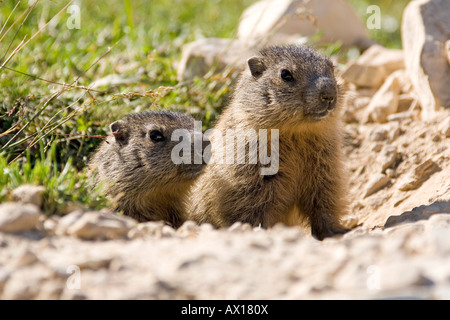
<point>48,130</point>
<point>65,187</point>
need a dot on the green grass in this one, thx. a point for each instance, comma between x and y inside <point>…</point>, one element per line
<point>48,132</point>
<point>65,187</point>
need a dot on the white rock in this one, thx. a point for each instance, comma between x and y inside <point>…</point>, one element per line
<point>385,100</point>
<point>373,67</point>
<point>378,182</point>
<point>188,229</point>
<point>17,217</point>
<point>388,157</point>
<point>395,276</point>
<point>425,31</point>
<point>444,127</point>
<point>200,56</point>
<point>284,21</point>
<point>28,193</point>
<point>95,225</point>
<point>421,173</point>
<point>147,229</point>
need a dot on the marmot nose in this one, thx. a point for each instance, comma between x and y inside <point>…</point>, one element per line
<point>327,93</point>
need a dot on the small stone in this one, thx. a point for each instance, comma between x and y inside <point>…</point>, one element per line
<point>25,258</point>
<point>378,134</point>
<point>168,232</point>
<point>389,157</point>
<point>200,56</point>
<point>377,147</point>
<point>401,116</point>
<point>97,225</point>
<point>373,67</point>
<point>17,217</point>
<point>378,182</point>
<point>385,100</point>
<point>240,227</point>
<point>28,194</point>
<point>405,102</point>
<point>396,276</point>
<point>147,229</point>
<point>444,127</point>
<point>421,174</point>
<point>188,229</point>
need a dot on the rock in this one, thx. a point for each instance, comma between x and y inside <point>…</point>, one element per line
<point>385,100</point>
<point>444,127</point>
<point>200,56</point>
<point>147,229</point>
<point>28,193</point>
<point>373,67</point>
<point>447,49</point>
<point>425,31</point>
<point>240,227</point>
<point>25,258</point>
<point>379,133</point>
<point>95,225</point>
<point>394,276</point>
<point>421,173</point>
<point>286,21</point>
<point>389,156</point>
<point>188,229</point>
<point>405,101</point>
<point>399,116</point>
<point>419,213</point>
<point>17,217</point>
<point>378,182</point>
<point>29,283</point>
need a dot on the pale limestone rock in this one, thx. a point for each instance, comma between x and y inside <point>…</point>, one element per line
<point>18,217</point>
<point>95,225</point>
<point>285,21</point>
<point>28,193</point>
<point>373,67</point>
<point>201,56</point>
<point>421,173</point>
<point>425,32</point>
<point>378,182</point>
<point>385,100</point>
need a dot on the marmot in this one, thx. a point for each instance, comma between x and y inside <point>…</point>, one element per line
<point>292,89</point>
<point>134,164</point>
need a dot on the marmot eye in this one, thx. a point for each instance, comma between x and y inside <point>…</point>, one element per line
<point>156,136</point>
<point>286,75</point>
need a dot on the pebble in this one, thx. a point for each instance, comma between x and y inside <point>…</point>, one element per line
<point>28,194</point>
<point>93,225</point>
<point>378,182</point>
<point>18,217</point>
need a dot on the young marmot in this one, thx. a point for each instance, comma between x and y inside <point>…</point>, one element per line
<point>135,165</point>
<point>292,89</point>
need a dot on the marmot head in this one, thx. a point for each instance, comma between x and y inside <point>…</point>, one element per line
<point>139,154</point>
<point>296,80</point>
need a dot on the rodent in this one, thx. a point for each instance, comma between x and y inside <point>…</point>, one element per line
<point>292,89</point>
<point>134,164</point>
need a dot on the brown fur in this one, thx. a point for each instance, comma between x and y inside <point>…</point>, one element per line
<point>139,171</point>
<point>310,181</point>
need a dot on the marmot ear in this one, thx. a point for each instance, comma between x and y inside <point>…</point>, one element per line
<point>256,66</point>
<point>118,131</point>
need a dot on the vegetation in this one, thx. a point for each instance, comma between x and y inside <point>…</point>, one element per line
<point>53,113</point>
